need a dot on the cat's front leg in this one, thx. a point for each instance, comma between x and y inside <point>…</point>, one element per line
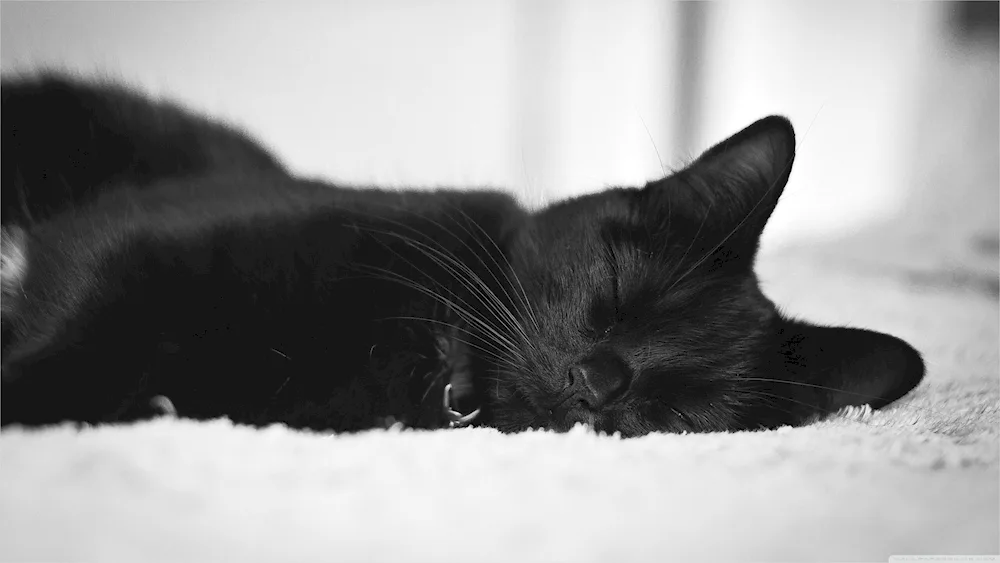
<point>60,361</point>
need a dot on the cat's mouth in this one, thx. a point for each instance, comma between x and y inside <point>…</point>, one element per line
<point>560,414</point>
<point>567,411</point>
<point>580,415</point>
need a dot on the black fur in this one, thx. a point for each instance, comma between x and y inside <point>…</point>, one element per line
<point>64,141</point>
<point>175,257</point>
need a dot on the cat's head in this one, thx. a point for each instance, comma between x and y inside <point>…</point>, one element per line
<point>640,311</point>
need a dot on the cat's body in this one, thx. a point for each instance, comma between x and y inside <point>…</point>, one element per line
<point>236,290</point>
<point>75,139</point>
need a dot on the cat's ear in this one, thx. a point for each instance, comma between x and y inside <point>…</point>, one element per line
<point>729,192</point>
<point>829,368</point>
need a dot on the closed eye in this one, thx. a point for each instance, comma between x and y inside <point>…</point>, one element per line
<point>596,333</point>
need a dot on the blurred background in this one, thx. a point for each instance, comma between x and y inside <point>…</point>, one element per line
<point>895,103</point>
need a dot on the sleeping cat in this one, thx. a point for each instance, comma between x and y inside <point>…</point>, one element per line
<point>150,255</point>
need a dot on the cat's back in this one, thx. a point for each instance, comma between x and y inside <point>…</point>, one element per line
<point>65,140</point>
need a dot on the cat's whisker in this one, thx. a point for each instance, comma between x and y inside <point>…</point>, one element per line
<point>396,277</point>
<point>475,254</point>
<point>495,354</point>
<point>463,312</point>
<point>479,289</point>
<point>821,412</point>
<point>434,381</point>
<point>867,396</point>
<point>659,159</point>
<point>493,302</point>
<point>810,385</point>
<point>503,286</point>
<point>510,268</point>
<point>481,292</point>
<point>440,323</point>
<point>422,288</point>
<point>503,350</point>
<point>774,397</point>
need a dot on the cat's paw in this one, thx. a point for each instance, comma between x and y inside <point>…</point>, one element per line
<point>13,264</point>
<point>39,292</point>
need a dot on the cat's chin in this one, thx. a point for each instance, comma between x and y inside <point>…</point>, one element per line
<point>580,415</point>
<point>520,413</point>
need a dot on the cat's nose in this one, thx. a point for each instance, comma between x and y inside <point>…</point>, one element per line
<point>595,383</point>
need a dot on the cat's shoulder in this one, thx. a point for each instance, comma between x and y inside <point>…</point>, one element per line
<point>54,123</point>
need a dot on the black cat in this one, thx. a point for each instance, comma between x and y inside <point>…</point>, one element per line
<point>150,253</point>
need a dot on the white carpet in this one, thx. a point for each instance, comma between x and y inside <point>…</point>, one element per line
<point>920,478</point>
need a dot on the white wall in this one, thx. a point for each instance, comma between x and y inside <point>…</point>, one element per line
<point>595,89</point>
<point>548,98</point>
<point>847,73</point>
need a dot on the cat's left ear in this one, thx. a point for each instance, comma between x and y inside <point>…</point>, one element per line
<point>829,368</point>
<point>729,192</point>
